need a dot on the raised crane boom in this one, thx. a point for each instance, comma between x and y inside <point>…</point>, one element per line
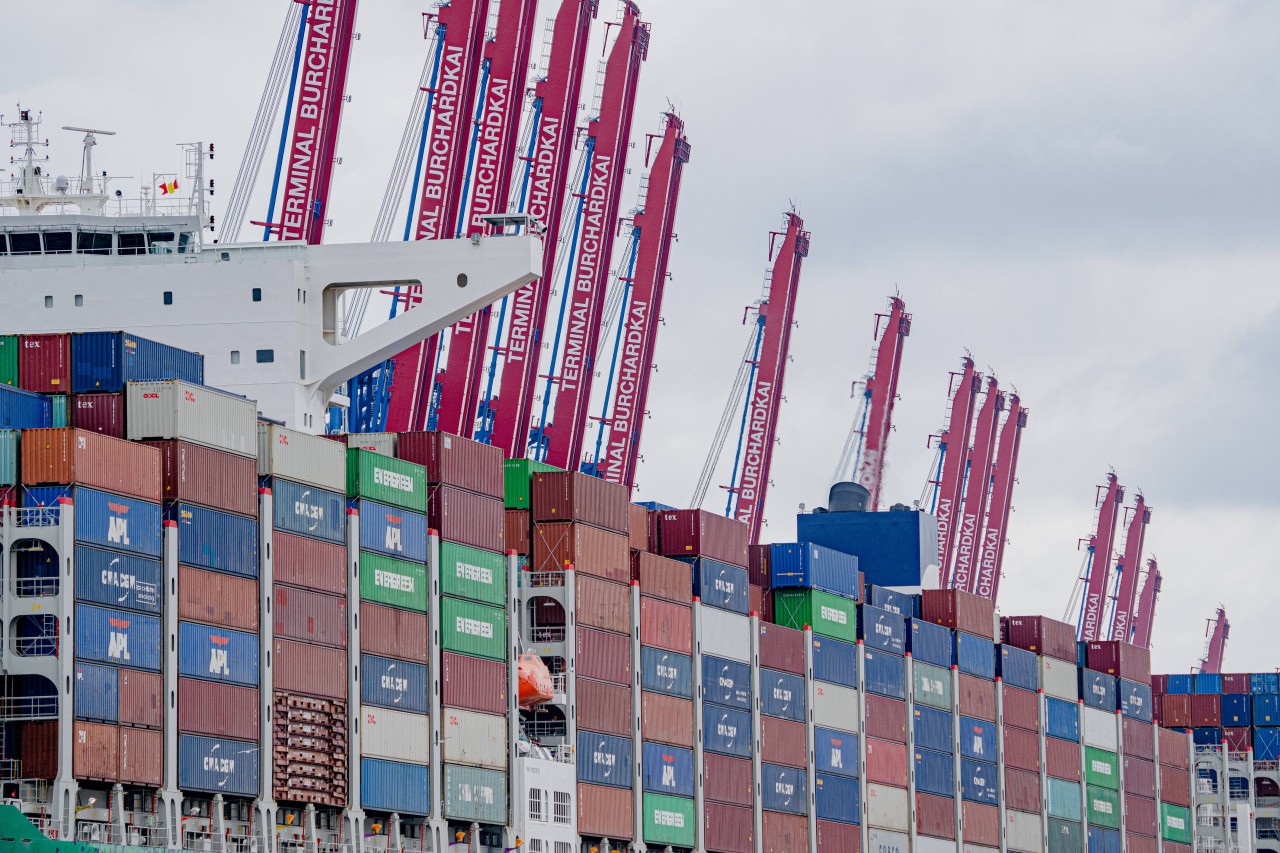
<point>881,393</point>
<point>1144,619</point>
<point>1101,558</point>
<point>964,562</point>
<point>954,449</point>
<point>1216,646</point>
<point>1127,591</point>
<point>995,533</point>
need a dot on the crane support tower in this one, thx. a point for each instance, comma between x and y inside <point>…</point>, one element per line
<point>1216,646</point>
<point>964,561</point>
<point>881,393</point>
<point>559,437</point>
<point>994,534</point>
<point>1144,619</point>
<point>953,449</point>
<point>1101,558</point>
<point>1127,589</point>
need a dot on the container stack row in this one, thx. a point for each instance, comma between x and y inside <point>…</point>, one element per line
<point>1240,710</point>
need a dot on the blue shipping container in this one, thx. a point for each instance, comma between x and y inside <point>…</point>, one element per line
<point>837,798</point>
<point>654,506</point>
<point>810,566</point>
<point>118,637</point>
<point>1098,690</point>
<point>218,766</point>
<point>782,695</point>
<point>885,674</point>
<point>1208,683</point>
<point>1209,736</point>
<point>933,729</point>
<point>726,682</point>
<point>394,532</point>
<point>1262,682</point>
<point>720,585</point>
<point>835,661</point>
<point>1062,719</point>
<point>24,410</point>
<point>390,683</point>
<point>726,730</point>
<point>112,521</point>
<point>1266,743</point>
<point>783,789</point>
<point>935,773</point>
<point>97,693</point>
<point>210,539</point>
<point>1266,710</point>
<point>902,603</point>
<point>1135,699</point>
<point>1180,685</point>
<point>978,739</point>
<point>389,786</point>
<point>667,672</point>
<point>102,362</point>
<point>975,655</point>
<point>979,781</point>
<point>309,511</point>
<point>217,654</point>
<point>1235,709</point>
<point>882,629</point>
<point>1019,668</point>
<point>931,643</point>
<point>893,548</point>
<point>667,769</point>
<point>604,759</point>
<point>835,752</point>
<point>120,580</point>
<point>1104,840</point>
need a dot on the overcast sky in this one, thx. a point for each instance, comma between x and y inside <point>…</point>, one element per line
<point>1085,196</point>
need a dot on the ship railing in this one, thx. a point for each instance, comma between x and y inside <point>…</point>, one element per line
<point>560,752</point>
<point>35,587</point>
<point>559,682</point>
<point>553,634</point>
<point>1236,755</point>
<point>544,578</point>
<point>1267,802</point>
<point>14,708</point>
<point>537,729</point>
<point>32,516</point>
<point>1266,766</point>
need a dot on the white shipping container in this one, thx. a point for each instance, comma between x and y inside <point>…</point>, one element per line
<point>1059,679</point>
<point>926,844</point>
<point>1100,730</point>
<point>176,409</point>
<point>383,443</point>
<point>1022,832</point>
<point>302,457</point>
<point>887,808</point>
<point>726,635</point>
<point>880,841</point>
<point>835,707</point>
<point>394,735</point>
<point>473,738</point>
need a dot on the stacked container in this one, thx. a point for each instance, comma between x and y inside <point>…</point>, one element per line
<point>1117,678</point>
<point>1019,673</point>
<point>1175,790</point>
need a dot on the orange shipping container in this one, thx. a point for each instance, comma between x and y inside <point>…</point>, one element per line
<point>665,625</point>
<point>38,748</point>
<point>977,697</point>
<point>726,779</point>
<point>591,550</point>
<point>666,719</point>
<point>661,577</point>
<point>217,598</point>
<point>604,655</point>
<point>886,718</point>
<point>602,604</point>
<point>571,496</point>
<point>141,756</point>
<point>65,456</point>
<point>95,751</point>
<point>727,828</point>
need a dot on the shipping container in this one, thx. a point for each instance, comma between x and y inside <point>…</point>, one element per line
<point>212,539</point>
<point>977,697</point>
<point>107,361</point>
<point>473,573</point>
<point>1022,831</point>
<point>661,577</point>
<point>387,786</point>
<point>827,614</point>
<point>783,833</point>
<point>310,670</point>
<point>1018,668</point>
<point>217,599</point>
<point>981,824</point>
<point>1062,799</point>
<point>605,812</point>
<point>217,654</point>
<point>602,707</point>
<point>1120,659</point>
<point>1175,710</point>
<point>726,730</point>
<point>1264,682</point>
<point>141,699</point>
<point>313,617</point>
<point>1098,690</point>
<point>839,836</point>
<point>1021,708</point>
<point>698,533</point>
<point>9,346</point>
<point>118,637</point>
<point>301,561</point>
<point>572,496</point>
<point>835,752</point>
<point>835,707</point>
<point>1266,744</point>
<point>208,476</point>
<point>882,629</point>
<point>517,475</point>
<point>391,482</point>
<point>176,409</point>
<point>396,684</point>
<point>395,583</point>
<point>783,742</point>
<point>1179,684</point>
<point>302,458</point>
<point>1021,790</point>
<point>481,685</point>
<point>396,735</point>
<point>958,610</point>
<point>455,461</point>
<point>725,634</point>
<point>1175,823</point>
<point>662,671</point>
<point>218,765</point>
<point>1100,730</point>
<point>1138,738</point>
<point>835,661</point>
<point>101,413</point>
<point>979,781</point>
<point>1134,843</point>
<point>782,695</point>
<point>667,719</point>
<point>838,799</point>
<point>591,550</point>
<point>120,580</point>
<point>1042,635</point>
<point>887,763</point>
<point>1021,748</point>
<point>1235,709</point>
<point>1140,816</point>
<point>811,566</point>
<point>667,769</point>
<point>932,685</point>
<point>1062,719</point>
<point>884,674</point>
<point>141,756</point>
<point>726,682</point>
<point>975,656</point>
<point>1135,700</point>
<point>475,794</point>
<point>95,752</point>
<point>309,510</point>
<point>669,820</point>
<point>934,771</point>
<point>886,718</point>
<point>663,624</point>
<point>1102,807</point>
<point>602,655</point>
<point>726,779</point>
<point>978,739</point>
<point>883,841</point>
<point>97,693</point>
<point>1062,758</point>
<point>932,729</point>
<point>473,629</point>
<point>217,709</point>
<point>1206,710</point>
<point>1265,710</point>
<point>728,828</point>
<point>1065,836</point>
<point>783,789</point>
<point>44,363</point>
<point>1174,749</point>
<point>518,532</point>
<point>8,456</point>
<point>637,527</point>
<point>21,410</point>
<point>475,739</point>
<point>781,648</point>
<point>887,808</point>
<point>65,456</point>
<point>393,532</point>
<point>604,759</point>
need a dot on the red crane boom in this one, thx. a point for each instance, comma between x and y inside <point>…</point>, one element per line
<point>1145,618</point>
<point>1216,647</point>
<point>954,446</point>
<point>1127,593</point>
<point>1102,557</point>
<point>994,535</point>
<point>972,513</point>
<point>882,392</point>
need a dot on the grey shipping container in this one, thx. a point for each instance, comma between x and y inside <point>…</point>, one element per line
<point>207,416</point>
<point>301,457</point>
<point>471,793</point>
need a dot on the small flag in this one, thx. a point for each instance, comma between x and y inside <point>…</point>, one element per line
<point>169,187</point>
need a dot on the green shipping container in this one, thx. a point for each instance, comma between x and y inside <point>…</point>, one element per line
<point>61,411</point>
<point>385,580</point>
<point>668,820</point>
<point>471,573</point>
<point>1064,798</point>
<point>1175,823</point>
<point>473,629</point>
<point>828,615</point>
<point>1104,806</point>
<point>390,481</point>
<point>1065,836</point>
<point>517,475</point>
<point>1101,768</point>
<point>9,360</point>
<point>8,457</point>
<point>472,794</point>
<point>932,686</point>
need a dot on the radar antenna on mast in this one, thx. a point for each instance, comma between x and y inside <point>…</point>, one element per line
<point>86,160</point>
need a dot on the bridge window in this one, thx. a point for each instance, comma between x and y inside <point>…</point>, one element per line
<point>93,243</point>
<point>133,244</point>
<point>57,242</point>
<point>4,244</point>
<point>162,242</point>
<point>266,356</point>
<point>24,243</point>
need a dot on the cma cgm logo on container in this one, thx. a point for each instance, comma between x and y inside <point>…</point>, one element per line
<point>474,627</point>
<point>117,524</point>
<point>118,645</point>
<point>393,542</point>
<point>218,664</point>
<point>602,757</point>
<point>215,763</point>
<point>831,614</point>
<point>393,480</point>
<point>309,511</point>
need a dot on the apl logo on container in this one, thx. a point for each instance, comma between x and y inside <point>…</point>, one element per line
<point>118,525</point>
<point>393,480</point>
<point>474,627</point>
<point>668,771</point>
<point>831,614</point>
<point>118,647</point>
<point>218,664</point>
<point>393,542</point>
<point>837,754</point>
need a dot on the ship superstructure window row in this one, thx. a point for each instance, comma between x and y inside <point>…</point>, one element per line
<point>90,241</point>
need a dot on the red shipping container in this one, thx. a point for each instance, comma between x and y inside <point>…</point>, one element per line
<point>141,754</point>
<point>726,779</point>
<point>217,710</point>
<point>1021,749</point>
<point>1022,789</point>
<point>572,496</point>
<point>784,833</point>
<point>102,413</point>
<point>782,742</point>
<point>1021,708</point>
<point>590,550</point>
<point>728,829</point>
<point>839,837</point>
<point>662,578</point>
<point>310,670</point>
<point>1160,682</point>
<point>44,363</point>
<point>1175,786</point>
<point>604,707</point>
<point>1041,635</point>
<point>1239,739</point>
<point>755,599</point>
<point>638,527</point>
<point>1118,658</point>
<point>95,751</point>
<point>977,698</point>
<point>605,812</point>
<point>1157,709</point>
<point>312,617</point>
<point>1139,776</point>
<point>302,561</point>
<point>393,633</point>
<point>141,698</point>
<point>766,609</point>
<point>478,684</point>
<point>1174,749</point>
<point>886,762</point>
<point>518,532</point>
<point>1062,759</point>
<point>1235,682</point>
<point>38,749</point>
<point>936,816</point>
<point>1206,710</point>
<point>960,610</point>
<point>782,649</point>
<point>65,456</point>
<point>467,518</point>
<point>454,461</point>
<point>215,598</point>
<point>1140,815</point>
<point>208,477</point>
<point>886,718</point>
<point>758,566</point>
<point>666,625</point>
<point>1134,843</point>
<point>981,823</point>
<point>604,655</point>
<point>1175,711</point>
<point>600,603</point>
<point>1139,738</point>
<point>698,533</point>
<point>666,719</point>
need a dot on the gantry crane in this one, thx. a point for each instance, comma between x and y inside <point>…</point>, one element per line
<point>1215,647</point>
<point>953,458</point>
<point>963,560</point>
<point>1144,618</point>
<point>1126,597</point>
<point>1101,558</point>
<point>986,580</point>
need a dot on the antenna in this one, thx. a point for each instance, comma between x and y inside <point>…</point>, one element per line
<point>86,162</point>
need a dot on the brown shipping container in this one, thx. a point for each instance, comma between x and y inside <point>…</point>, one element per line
<point>698,533</point>
<point>313,617</point>
<point>604,707</point>
<point>755,599</point>
<point>839,837</point>
<point>1206,710</point>
<point>1175,712</point>
<point>477,684</point>
<point>141,698</point>
<point>571,496</point>
<point>454,461</point>
<point>1121,659</point>
<point>141,756</point>
<point>60,456</point>
<point>605,812</point>
<point>784,833</point>
<point>216,598</point>
<point>102,413</point>
<point>591,550</point>
<point>1062,759</point>
<point>1022,790</point>
<point>662,578</point>
<point>1021,749</point>
<point>1157,709</point>
<point>1234,682</point>
<point>782,742</point>
<point>758,565</point>
<point>666,719</point>
<point>311,670</point>
<point>886,762</point>
<point>782,648</point>
<point>95,751</point>
<point>209,477</point>
<point>217,710</point>
<point>666,625</point>
<point>728,829</point>
<point>467,518</point>
<point>1021,708</point>
<point>1041,635</point>
<point>44,363</point>
<point>1175,786</point>
<point>886,718</point>
<point>393,633</point>
<point>518,532</point>
<point>981,823</point>
<point>977,698</point>
<point>1138,738</point>
<point>936,816</point>
<point>638,527</point>
<point>1140,815</point>
<point>960,610</point>
<point>601,603</point>
<point>1139,776</point>
<point>726,779</point>
<point>302,561</point>
<point>604,655</point>
<point>38,749</point>
<point>1134,843</point>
